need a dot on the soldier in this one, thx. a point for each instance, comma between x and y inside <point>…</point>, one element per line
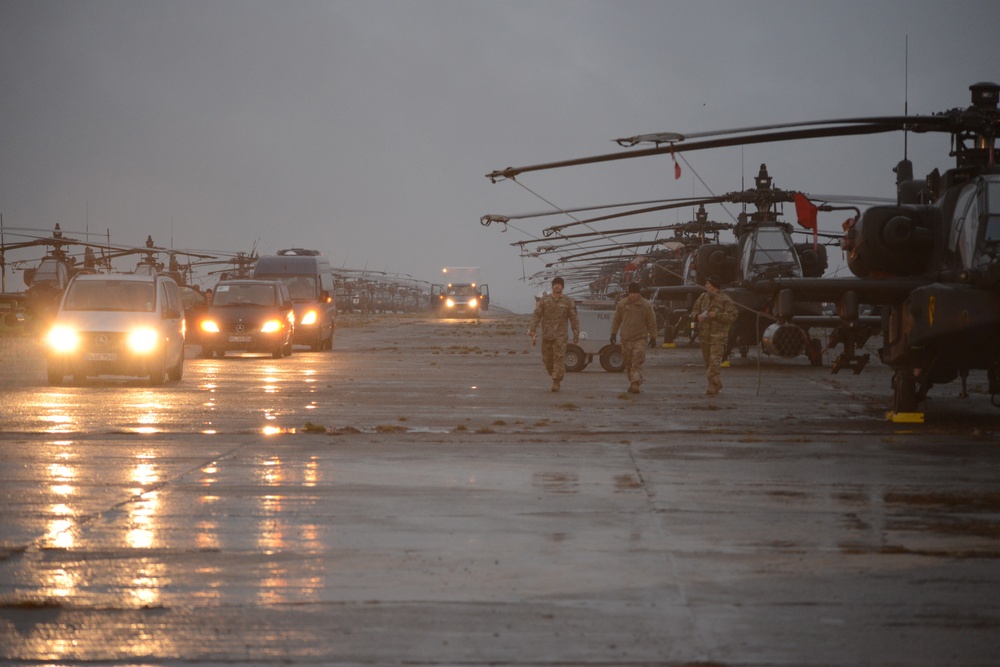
<point>553,312</point>
<point>635,318</point>
<point>715,312</point>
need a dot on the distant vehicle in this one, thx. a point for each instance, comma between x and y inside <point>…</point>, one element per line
<point>462,293</point>
<point>248,316</point>
<point>117,324</point>
<point>310,282</point>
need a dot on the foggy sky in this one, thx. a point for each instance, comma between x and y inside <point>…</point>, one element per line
<point>364,129</point>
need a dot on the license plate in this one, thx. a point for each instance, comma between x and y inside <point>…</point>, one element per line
<point>239,339</point>
<point>101,356</point>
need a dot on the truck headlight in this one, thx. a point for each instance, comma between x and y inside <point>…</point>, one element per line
<point>309,318</point>
<point>472,303</point>
<point>450,303</point>
<point>62,339</point>
<point>143,340</point>
<point>271,326</point>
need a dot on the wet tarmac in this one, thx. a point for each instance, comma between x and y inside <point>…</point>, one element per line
<point>418,496</point>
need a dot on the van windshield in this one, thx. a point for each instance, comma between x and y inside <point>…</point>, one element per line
<point>299,287</point>
<point>117,295</point>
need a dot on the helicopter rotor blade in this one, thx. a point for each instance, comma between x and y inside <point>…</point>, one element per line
<point>549,231</point>
<point>888,125</point>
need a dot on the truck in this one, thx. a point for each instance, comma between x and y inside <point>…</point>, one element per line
<point>460,293</point>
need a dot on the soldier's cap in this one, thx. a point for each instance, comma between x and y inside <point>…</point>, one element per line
<point>633,287</point>
<point>559,280</point>
<point>714,282</point>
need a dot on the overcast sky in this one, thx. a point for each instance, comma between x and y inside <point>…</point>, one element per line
<point>364,129</point>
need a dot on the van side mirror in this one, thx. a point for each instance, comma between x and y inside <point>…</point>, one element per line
<point>325,296</point>
<point>171,314</point>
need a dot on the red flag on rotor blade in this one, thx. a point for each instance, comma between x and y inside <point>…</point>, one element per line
<point>677,167</point>
<point>806,211</point>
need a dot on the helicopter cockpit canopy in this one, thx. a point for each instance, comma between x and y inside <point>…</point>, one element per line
<point>769,252</point>
<point>975,231</point>
<point>50,272</point>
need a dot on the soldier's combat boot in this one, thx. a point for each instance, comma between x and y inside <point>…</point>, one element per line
<point>555,385</point>
<point>633,388</point>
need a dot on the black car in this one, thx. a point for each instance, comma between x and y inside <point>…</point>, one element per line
<point>248,316</point>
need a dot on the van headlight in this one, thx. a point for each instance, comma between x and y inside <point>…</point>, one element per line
<point>450,303</point>
<point>143,340</point>
<point>209,326</point>
<point>62,339</point>
<point>271,326</point>
<point>309,318</point>
<point>472,303</point>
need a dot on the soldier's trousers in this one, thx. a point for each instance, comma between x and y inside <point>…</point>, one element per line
<point>634,352</point>
<point>713,354</point>
<point>554,356</point>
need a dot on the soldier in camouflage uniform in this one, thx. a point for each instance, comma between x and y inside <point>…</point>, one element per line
<point>715,312</point>
<point>635,318</point>
<point>554,311</point>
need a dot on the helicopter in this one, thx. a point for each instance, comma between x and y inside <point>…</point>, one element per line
<point>930,263</point>
<point>763,249</point>
<point>668,261</point>
<point>46,281</point>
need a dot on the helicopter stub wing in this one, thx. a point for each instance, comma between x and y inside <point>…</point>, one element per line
<point>872,291</point>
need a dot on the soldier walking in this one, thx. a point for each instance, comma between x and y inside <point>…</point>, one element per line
<point>715,312</point>
<point>554,311</point>
<point>635,319</point>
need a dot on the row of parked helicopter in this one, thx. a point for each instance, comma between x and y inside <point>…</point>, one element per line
<point>356,290</point>
<point>925,264</point>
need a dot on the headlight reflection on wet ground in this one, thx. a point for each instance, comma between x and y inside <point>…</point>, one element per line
<point>62,475</point>
<point>53,409</point>
<point>142,522</point>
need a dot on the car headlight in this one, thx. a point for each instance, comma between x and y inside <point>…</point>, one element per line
<point>143,340</point>
<point>472,303</point>
<point>271,326</point>
<point>450,303</point>
<point>309,318</point>
<point>62,339</point>
<point>209,326</point>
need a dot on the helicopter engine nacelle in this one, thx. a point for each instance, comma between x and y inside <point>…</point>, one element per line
<point>891,241</point>
<point>716,259</point>
<point>667,272</point>
<point>814,261</point>
<point>784,340</point>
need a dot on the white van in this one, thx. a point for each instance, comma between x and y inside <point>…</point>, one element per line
<point>117,324</point>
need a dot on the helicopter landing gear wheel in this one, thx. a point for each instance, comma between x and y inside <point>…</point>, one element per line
<point>575,359</point>
<point>814,351</point>
<point>905,397</point>
<point>613,359</point>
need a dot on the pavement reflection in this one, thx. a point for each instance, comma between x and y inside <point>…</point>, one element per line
<point>418,496</point>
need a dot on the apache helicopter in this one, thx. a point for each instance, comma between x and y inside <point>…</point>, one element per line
<point>668,261</point>
<point>149,263</point>
<point>931,262</point>
<point>46,281</point>
<point>763,249</point>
